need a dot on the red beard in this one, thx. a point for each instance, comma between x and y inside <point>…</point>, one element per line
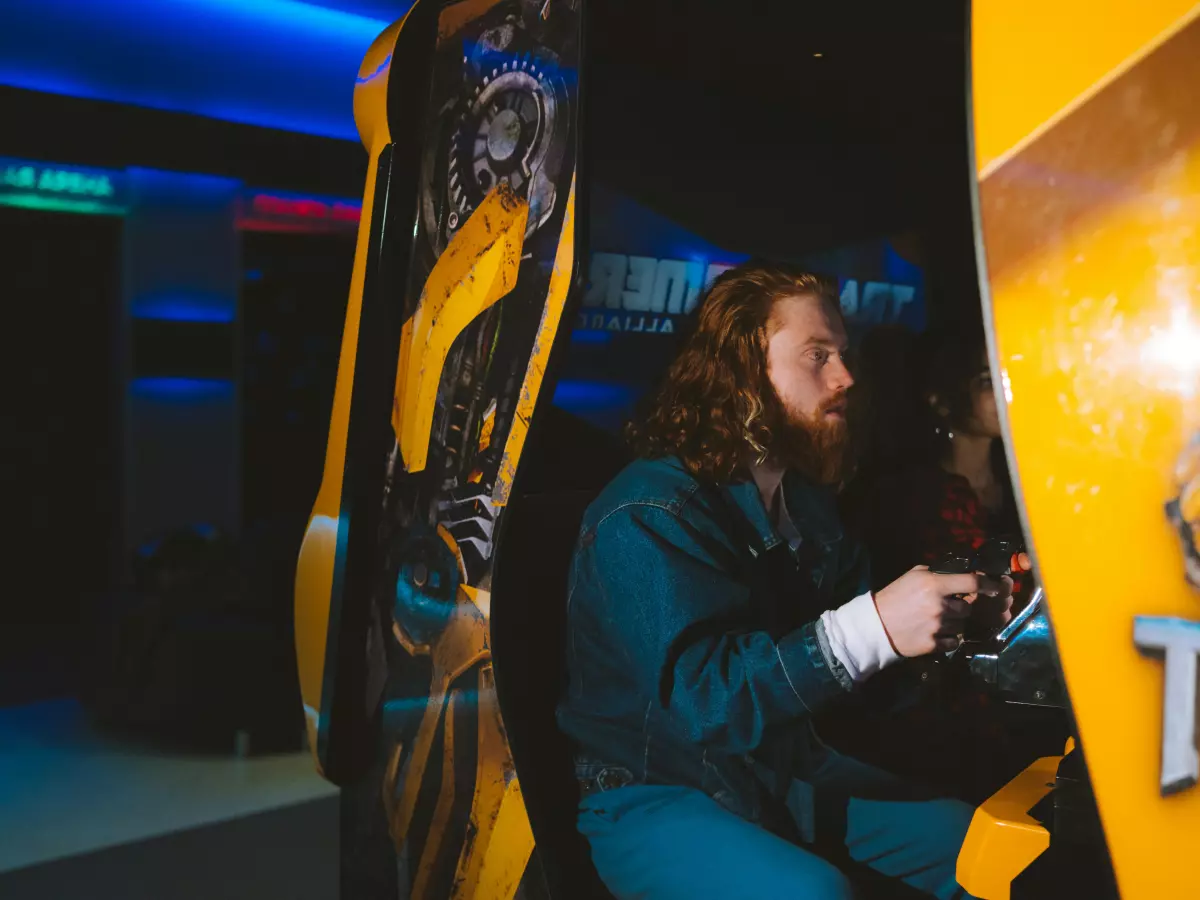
<point>817,447</point>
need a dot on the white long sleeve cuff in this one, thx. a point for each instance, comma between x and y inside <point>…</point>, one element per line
<point>857,637</point>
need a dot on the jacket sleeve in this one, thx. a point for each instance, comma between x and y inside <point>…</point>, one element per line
<point>854,571</point>
<point>680,618</point>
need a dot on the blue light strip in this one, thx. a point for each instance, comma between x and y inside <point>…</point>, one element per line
<point>592,395</point>
<point>379,71</point>
<point>280,64</point>
<point>181,309</point>
<point>334,23</point>
<point>182,389</point>
<point>590,336</point>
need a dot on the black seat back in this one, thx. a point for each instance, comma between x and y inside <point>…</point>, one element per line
<point>528,626</point>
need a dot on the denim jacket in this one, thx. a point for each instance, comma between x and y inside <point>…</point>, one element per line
<point>695,653</point>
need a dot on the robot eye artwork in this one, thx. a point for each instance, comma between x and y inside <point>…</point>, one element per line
<point>510,125</point>
<point>1176,641</point>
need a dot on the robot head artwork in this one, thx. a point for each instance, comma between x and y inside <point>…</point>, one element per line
<point>509,124</point>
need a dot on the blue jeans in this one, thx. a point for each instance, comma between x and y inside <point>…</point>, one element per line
<point>654,842</point>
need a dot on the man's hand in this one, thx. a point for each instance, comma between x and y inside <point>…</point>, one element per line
<point>923,612</point>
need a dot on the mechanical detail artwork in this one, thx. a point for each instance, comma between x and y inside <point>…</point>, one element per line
<point>509,124</point>
<point>492,263</point>
<point>1184,509</point>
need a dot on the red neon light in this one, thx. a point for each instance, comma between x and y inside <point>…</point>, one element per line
<point>279,226</point>
<point>346,212</point>
<point>271,206</point>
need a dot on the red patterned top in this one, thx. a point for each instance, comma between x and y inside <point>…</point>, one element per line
<point>953,736</point>
<point>918,516</point>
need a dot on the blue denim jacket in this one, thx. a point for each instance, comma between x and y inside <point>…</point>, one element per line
<point>690,660</point>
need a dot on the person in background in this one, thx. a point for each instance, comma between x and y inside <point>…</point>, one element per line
<point>948,494</point>
<point>957,493</point>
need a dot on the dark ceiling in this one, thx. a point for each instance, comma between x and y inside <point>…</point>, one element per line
<point>722,116</point>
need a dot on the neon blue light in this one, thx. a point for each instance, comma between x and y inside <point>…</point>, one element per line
<point>182,389</point>
<point>275,63</point>
<point>590,336</point>
<point>622,225</point>
<point>270,13</point>
<point>183,188</point>
<point>382,68</point>
<point>898,269</point>
<point>180,309</point>
<point>591,395</point>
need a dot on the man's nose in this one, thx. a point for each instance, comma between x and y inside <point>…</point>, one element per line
<point>840,377</point>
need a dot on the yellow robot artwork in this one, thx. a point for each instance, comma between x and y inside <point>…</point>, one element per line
<point>397,559</point>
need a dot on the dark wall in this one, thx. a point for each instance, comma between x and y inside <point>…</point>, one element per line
<point>294,296</point>
<point>60,283</point>
<point>182,460</point>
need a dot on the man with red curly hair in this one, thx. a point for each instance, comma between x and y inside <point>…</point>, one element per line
<point>715,607</point>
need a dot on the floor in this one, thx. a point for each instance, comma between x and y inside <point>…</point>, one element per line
<point>284,854</point>
<point>87,816</point>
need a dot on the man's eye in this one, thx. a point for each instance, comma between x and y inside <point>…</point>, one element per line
<point>819,356</point>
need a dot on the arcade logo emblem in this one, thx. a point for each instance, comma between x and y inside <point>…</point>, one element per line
<point>1177,641</point>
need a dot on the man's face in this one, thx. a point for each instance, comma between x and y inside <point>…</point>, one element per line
<point>805,359</point>
<point>806,347</point>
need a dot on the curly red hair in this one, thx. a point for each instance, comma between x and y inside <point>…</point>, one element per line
<point>716,406</point>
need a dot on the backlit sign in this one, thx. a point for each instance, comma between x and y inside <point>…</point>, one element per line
<point>644,294</point>
<point>50,186</point>
<point>640,293</point>
<point>875,302</point>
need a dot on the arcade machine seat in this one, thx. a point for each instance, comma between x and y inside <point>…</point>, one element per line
<point>571,463</point>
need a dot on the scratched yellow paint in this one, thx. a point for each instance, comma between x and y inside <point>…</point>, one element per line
<point>1093,259</point>
<point>1033,59</point>
<point>314,569</point>
<point>476,271</point>
<point>535,373</point>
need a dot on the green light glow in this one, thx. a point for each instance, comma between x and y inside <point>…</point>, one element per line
<point>61,188</point>
<point>59,203</point>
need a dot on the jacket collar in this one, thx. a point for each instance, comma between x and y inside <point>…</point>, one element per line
<point>813,508</point>
<point>808,504</point>
<point>744,493</point>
